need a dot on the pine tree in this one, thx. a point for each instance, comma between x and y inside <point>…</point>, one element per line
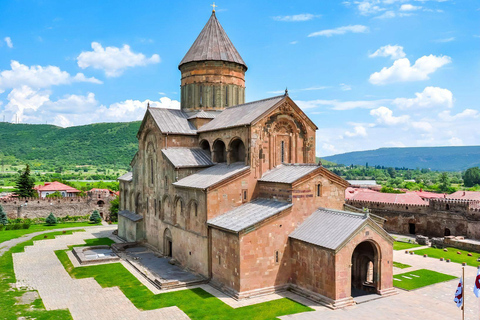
<point>3,216</point>
<point>51,220</point>
<point>95,217</point>
<point>25,184</point>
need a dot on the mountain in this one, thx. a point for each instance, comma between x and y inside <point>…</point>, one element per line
<point>110,144</point>
<point>435,158</point>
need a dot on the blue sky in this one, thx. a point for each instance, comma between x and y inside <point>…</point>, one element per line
<point>369,73</point>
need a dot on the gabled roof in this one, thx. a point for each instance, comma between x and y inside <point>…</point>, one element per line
<point>172,121</point>
<point>126,177</point>
<point>242,114</point>
<point>203,115</point>
<point>213,44</point>
<point>211,176</point>
<point>56,186</point>
<point>248,214</point>
<point>465,195</point>
<point>188,157</point>
<point>288,173</point>
<point>331,229</point>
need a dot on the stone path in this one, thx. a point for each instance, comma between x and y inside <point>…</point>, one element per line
<point>432,302</point>
<point>39,269</point>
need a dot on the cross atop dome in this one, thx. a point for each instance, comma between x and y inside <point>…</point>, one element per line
<point>213,6</point>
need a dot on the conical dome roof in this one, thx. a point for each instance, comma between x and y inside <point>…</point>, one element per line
<point>213,44</point>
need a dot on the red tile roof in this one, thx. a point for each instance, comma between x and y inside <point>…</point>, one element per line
<point>398,198</point>
<point>56,186</point>
<point>429,195</point>
<point>464,195</point>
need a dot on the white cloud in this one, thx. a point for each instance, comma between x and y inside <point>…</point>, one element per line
<point>341,105</point>
<point>112,60</point>
<point>9,42</point>
<point>430,97</point>
<point>394,52</point>
<point>445,40</point>
<point>402,70</point>
<point>38,76</point>
<point>345,87</point>
<point>369,7</point>
<point>358,131</point>
<point>409,7</point>
<point>293,42</point>
<point>341,30</point>
<point>422,125</point>
<point>385,116</point>
<point>465,114</point>
<point>454,141</point>
<point>24,100</point>
<point>296,17</point>
<point>387,15</point>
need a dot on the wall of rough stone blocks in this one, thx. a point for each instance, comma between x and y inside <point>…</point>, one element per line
<point>225,260</point>
<point>60,207</point>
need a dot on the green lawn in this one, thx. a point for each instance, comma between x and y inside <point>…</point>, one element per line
<point>397,245</point>
<point>400,265</point>
<point>6,235</point>
<point>8,307</point>
<point>196,303</point>
<point>452,255</point>
<point>419,278</point>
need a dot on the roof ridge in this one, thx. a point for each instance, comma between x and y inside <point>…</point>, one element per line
<point>342,212</point>
<point>244,104</point>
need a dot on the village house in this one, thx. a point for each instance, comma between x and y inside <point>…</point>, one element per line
<point>231,191</point>
<point>51,187</point>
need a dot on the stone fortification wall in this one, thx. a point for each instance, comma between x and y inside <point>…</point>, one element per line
<point>61,207</point>
<point>437,218</point>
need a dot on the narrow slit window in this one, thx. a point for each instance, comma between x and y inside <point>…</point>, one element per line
<point>276,256</point>
<point>226,95</point>
<point>201,95</point>
<point>319,190</point>
<point>283,151</point>
<point>151,171</point>
<point>155,209</point>
<point>213,96</point>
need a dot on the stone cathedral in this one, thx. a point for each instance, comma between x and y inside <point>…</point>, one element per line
<point>231,191</point>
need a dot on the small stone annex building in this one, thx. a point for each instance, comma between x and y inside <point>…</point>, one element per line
<point>232,192</point>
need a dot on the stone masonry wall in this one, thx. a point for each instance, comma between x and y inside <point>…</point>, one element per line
<point>60,207</point>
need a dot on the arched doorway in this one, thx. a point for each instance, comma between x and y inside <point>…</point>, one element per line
<point>236,151</point>
<point>167,243</point>
<point>446,232</point>
<point>100,203</point>
<point>219,151</point>
<point>365,269</point>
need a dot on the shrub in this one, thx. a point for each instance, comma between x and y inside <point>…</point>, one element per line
<point>3,216</point>
<point>95,217</point>
<point>51,220</point>
<point>17,226</point>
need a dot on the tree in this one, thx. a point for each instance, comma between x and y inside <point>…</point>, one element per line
<point>391,171</point>
<point>51,220</point>
<point>25,184</point>
<point>114,205</point>
<point>95,217</point>
<point>3,216</point>
<point>444,182</point>
<point>471,177</point>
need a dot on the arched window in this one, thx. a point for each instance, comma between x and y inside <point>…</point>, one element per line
<point>179,218</point>
<point>166,183</point>
<point>151,171</point>
<point>219,151</point>
<point>201,95</point>
<point>213,96</point>
<point>226,95</point>
<point>206,146</point>
<point>319,190</point>
<point>282,151</point>
<point>237,151</point>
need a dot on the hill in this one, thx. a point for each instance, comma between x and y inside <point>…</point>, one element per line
<point>435,158</point>
<point>103,144</point>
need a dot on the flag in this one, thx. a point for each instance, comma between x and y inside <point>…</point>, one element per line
<point>459,294</point>
<point>476,286</point>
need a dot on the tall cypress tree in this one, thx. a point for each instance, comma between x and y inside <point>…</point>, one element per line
<point>25,184</point>
<point>3,216</point>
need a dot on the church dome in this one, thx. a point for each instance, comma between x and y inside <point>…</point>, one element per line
<point>213,44</point>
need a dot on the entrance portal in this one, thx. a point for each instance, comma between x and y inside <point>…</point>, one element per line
<point>167,243</point>
<point>411,228</point>
<point>365,269</point>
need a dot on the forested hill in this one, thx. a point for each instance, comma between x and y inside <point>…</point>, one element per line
<point>435,158</point>
<point>112,144</point>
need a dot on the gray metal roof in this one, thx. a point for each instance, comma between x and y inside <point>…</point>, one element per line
<point>242,114</point>
<point>130,215</point>
<point>288,173</point>
<point>203,115</point>
<point>213,44</point>
<point>172,121</point>
<point>210,176</point>
<point>126,177</point>
<point>188,157</point>
<point>329,228</point>
<point>248,214</point>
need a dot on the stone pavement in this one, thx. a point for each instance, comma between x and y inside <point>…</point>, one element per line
<point>39,269</point>
<point>432,302</point>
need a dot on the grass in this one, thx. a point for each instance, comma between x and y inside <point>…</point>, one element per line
<point>8,307</point>
<point>400,265</point>
<point>6,235</point>
<point>196,303</point>
<point>397,245</point>
<point>452,255</point>
<point>420,278</point>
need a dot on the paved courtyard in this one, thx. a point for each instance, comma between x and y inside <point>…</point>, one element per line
<point>38,268</point>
